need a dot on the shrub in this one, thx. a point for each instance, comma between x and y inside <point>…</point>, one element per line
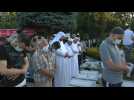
<point>93,52</point>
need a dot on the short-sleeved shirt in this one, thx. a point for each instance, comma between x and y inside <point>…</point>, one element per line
<point>108,50</point>
<point>39,62</point>
<point>14,60</point>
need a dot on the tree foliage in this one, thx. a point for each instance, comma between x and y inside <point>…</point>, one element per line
<point>8,20</point>
<point>98,24</point>
<point>50,21</point>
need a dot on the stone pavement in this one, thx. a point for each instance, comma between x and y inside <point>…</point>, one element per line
<point>90,76</point>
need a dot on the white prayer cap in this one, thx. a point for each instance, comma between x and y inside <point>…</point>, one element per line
<point>60,34</point>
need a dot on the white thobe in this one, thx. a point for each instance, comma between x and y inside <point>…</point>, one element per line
<point>75,68</point>
<point>70,62</point>
<point>60,77</point>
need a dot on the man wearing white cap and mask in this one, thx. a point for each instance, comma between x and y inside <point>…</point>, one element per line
<point>75,49</point>
<point>70,58</point>
<point>60,78</point>
<point>15,63</point>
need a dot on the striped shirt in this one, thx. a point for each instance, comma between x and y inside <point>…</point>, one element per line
<point>39,62</point>
<point>42,60</point>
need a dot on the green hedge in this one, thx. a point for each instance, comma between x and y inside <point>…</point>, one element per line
<point>7,25</point>
<point>7,22</point>
<point>93,52</point>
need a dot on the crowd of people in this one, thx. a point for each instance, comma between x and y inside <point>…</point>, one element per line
<point>51,63</point>
<point>54,62</point>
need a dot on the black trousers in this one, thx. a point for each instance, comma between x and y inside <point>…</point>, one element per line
<point>79,60</point>
<point>105,84</point>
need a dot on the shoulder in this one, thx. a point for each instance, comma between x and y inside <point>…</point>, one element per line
<point>3,53</point>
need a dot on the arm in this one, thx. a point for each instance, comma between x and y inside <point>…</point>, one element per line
<point>3,67</point>
<point>106,57</point>
<point>74,49</point>
<point>41,66</point>
<point>46,72</point>
<point>117,67</point>
<point>61,53</point>
<point>23,70</point>
<point>79,46</point>
<point>3,64</point>
<point>71,54</point>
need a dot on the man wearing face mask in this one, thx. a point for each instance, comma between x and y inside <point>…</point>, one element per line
<point>75,49</point>
<point>40,62</point>
<point>50,55</point>
<point>69,59</point>
<point>15,62</point>
<point>111,57</point>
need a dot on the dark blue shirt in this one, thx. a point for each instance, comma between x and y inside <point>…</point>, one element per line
<point>14,60</point>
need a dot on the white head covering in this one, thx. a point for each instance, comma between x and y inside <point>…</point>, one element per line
<point>57,37</point>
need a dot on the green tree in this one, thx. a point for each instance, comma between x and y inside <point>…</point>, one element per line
<point>98,24</point>
<point>8,20</point>
<point>50,21</point>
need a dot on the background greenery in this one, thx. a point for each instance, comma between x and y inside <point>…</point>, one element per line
<point>90,25</point>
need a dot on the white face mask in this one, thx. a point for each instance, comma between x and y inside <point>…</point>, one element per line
<point>117,41</point>
<point>18,49</point>
<point>45,49</point>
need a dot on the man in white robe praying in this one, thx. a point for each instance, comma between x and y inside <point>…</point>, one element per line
<point>75,49</point>
<point>69,59</point>
<point>60,77</point>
